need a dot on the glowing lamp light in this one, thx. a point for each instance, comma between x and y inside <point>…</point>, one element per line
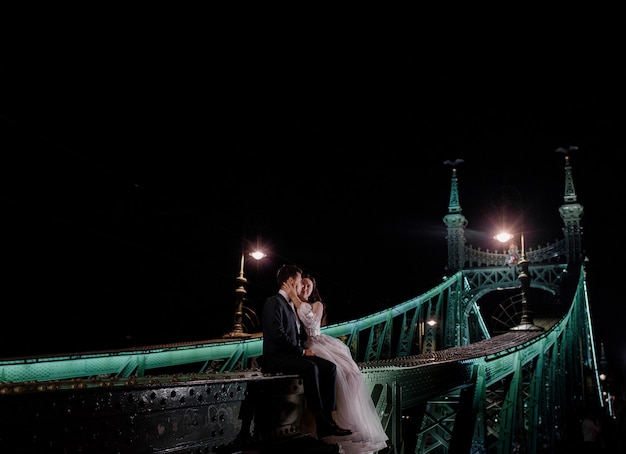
<point>257,255</point>
<point>503,237</point>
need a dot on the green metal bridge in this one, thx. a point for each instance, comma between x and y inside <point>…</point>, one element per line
<point>494,358</point>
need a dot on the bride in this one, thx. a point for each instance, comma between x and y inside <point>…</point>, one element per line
<point>355,408</point>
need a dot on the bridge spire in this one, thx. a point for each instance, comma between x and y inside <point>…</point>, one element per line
<point>571,212</point>
<point>456,223</point>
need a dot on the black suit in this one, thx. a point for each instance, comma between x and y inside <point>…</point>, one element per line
<point>282,352</point>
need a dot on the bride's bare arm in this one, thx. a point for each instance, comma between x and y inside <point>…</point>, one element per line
<point>318,309</point>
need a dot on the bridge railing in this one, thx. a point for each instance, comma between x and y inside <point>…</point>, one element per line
<point>399,331</point>
<point>551,253</point>
<point>381,329</point>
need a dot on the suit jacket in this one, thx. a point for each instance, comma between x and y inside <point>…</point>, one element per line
<point>281,338</point>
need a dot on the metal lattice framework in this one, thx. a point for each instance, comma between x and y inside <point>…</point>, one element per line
<point>502,386</point>
<point>395,332</point>
<point>492,395</point>
<point>433,356</point>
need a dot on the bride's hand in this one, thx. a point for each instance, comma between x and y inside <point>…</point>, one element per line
<point>290,289</point>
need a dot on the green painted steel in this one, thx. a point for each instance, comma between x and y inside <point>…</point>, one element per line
<point>227,355</point>
<point>433,355</point>
<point>531,371</point>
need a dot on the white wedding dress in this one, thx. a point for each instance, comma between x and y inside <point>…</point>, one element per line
<point>355,408</point>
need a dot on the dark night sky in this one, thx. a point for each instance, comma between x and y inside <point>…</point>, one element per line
<point>135,170</point>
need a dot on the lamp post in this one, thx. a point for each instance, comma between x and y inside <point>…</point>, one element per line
<point>526,323</point>
<point>504,198</point>
<point>240,297</point>
<point>427,334</point>
<point>605,388</point>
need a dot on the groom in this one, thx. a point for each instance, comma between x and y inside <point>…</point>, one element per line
<point>284,352</point>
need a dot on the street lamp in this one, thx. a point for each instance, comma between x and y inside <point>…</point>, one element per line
<point>428,334</point>
<point>503,237</point>
<point>504,199</point>
<point>240,296</point>
<point>526,323</point>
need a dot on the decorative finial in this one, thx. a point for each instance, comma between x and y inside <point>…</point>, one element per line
<point>454,163</point>
<point>566,151</point>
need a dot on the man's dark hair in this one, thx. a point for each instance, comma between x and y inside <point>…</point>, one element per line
<point>287,271</point>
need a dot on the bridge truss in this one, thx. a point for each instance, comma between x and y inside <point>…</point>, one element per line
<point>432,359</point>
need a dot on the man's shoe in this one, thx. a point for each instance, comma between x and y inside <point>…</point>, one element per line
<point>339,431</point>
<point>331,429</point>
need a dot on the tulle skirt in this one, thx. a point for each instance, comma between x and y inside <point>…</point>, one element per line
<point>355,408</point>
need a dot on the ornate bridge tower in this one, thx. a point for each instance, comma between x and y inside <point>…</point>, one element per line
<point>456,223</point>
<point>571,212</point>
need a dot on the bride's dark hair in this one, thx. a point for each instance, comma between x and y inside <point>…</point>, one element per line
<point>315,296</point>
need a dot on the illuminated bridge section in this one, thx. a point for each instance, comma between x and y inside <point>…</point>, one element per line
<point>517,385</point>
<point>443,317</point>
